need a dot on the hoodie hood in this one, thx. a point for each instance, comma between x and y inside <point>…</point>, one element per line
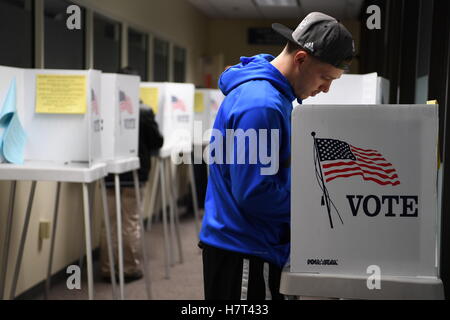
<point>255,68</point>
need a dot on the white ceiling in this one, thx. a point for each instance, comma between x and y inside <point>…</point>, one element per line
<point>249,9</point>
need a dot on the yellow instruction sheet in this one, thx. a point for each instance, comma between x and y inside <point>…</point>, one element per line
<point>199,104</point>
<point>150,97</point>
<point>64,94</point>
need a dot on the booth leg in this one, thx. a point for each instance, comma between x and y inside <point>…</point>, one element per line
<point>173,179</point>
<point>152,203</point>
<point>87,232</point>
<point>145,203</point>
<point>91,191</point>
<point>108,238</point>
<point>194,197</point>
<point>23,240</point>
<point>52,243</point>
<point>172,211</point>
<point>164,209</point>
<point>141,224</point>
<point>9,221</point>
<point>119,235</point>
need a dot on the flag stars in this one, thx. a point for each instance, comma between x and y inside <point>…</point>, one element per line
<point>331,149</point>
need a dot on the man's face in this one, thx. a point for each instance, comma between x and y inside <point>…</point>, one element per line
<point>312,76</point>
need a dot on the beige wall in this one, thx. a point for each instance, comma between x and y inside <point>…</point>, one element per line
<point>230,38</point>
<point>69,237</point>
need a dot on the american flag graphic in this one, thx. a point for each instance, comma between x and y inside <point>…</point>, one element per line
<point>178,104</point>
<point>94,103</point>
<point>125,103</point>
<point>214,105</point>
<point>342,160</point>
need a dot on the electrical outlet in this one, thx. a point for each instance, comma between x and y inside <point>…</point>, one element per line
<point>44,229</point>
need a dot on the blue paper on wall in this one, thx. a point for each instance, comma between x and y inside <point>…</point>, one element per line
<point>13,139</point>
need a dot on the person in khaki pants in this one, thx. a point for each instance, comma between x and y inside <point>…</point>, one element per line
<point>131,235</point>
<point>150,141</point>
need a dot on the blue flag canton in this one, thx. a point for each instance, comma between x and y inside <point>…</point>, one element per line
<point>331,149</point>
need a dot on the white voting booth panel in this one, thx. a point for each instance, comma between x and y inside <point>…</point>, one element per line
<point>217,98</point>
<point>201,106</point>
<point>175,114</point>
<point>354,89</point>
<point>51,137</point>
<point>120,113</point>
<point>364,190</point>
<point>59,114</point>
<point>207,105</point>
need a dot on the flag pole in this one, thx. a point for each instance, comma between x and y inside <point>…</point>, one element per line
<point>325,196</point>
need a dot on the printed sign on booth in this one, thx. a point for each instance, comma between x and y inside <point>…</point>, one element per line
<point>364,189</point>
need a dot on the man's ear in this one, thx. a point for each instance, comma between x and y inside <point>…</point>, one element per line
<point>300,57</point>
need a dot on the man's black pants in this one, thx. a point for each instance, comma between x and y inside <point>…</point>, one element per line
<point>231,275</point>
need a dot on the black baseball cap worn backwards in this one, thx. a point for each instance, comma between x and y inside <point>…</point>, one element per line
<point>323,37</point>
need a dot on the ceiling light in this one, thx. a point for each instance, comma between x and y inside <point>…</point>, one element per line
<point>276,3</point>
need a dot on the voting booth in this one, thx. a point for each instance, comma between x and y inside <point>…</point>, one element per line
<point>50,130</point>
<point>206,106</point>
<point>364,201</point>
<point>120,116</point>
<point>57,114</point>
<point>120,143</point>
<point>173,104</point>
<point>354,89</point>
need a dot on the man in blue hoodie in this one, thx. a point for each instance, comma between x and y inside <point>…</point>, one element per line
<point>245,234</point>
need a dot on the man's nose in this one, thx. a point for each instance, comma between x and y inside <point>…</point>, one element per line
<point>325,87</point>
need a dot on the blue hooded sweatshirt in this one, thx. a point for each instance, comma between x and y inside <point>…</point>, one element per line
<point>245,210</point>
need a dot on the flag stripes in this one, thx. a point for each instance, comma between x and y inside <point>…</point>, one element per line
<point>125,103</point>
<point>342,160</point>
